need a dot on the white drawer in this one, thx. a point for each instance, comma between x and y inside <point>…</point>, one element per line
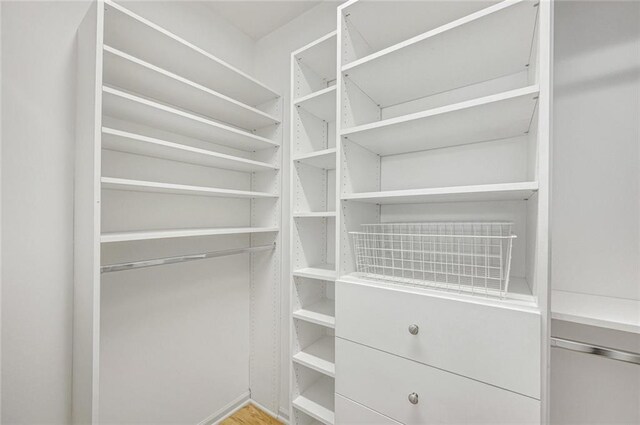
<point>349,412</point>
<point>492,344</point>
<point>383,382</point>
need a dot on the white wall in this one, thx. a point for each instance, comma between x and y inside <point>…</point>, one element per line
<point>272,66</point>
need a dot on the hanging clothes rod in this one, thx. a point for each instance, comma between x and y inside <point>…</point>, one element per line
<point>609,353</point>
<point>182,258</point>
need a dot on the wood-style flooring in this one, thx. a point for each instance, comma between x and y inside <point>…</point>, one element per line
<point>250,415</point>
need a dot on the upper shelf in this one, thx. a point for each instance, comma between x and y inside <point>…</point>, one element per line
<point>125,106</point>
<point>140,235</point>
<point>325,159</point>
<point>322,103</point>
<point>492,117</point>
<point>132,74</point>
<point>320,56</point>
<point>487,44</point>
<point>130,33</point>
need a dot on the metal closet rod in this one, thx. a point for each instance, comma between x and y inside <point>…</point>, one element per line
<point>182,258</point>
<point>609,353</point>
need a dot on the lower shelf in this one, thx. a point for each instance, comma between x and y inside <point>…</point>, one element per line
<point>321,313</point>
<point>321,272</point>
<point>318,401</point>
<point>319,356</point>
<point>181,233</point>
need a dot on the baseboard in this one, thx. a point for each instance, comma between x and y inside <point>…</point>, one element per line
<point>279,416</point>
<point>228,410</point>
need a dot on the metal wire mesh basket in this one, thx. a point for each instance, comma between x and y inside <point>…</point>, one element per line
<point>465,257</point>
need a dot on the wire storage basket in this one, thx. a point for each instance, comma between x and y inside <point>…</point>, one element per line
<point>466,257</point>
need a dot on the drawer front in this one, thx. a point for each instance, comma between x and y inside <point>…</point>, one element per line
<point>349,412</point>
<point>383,382</point>
<point>497,345</point>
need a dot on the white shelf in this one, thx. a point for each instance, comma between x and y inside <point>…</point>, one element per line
<point>322,103</point>
<point>494,117</point>
<point>181,233</point>
<point>318,214</point>
<point>132,74</point>
<point>487,44</point>
<point>123,141</point>
<point>321,313</point>
<point>487,192</point>
<point>321,272</point>
<point>318,401</point>
<point>126,31</point>
<point>128,107</point>
<point>319,356</point>
<point>113,183</point>
<point>325,159</point>
<point>320,56</point>
<point>596,310</point>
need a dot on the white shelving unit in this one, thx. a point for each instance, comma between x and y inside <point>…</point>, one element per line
<point>176,150</point>
<point>313,218</point>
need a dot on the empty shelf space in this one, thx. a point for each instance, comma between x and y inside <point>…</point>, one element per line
<point>494,117</point>
<point>317,214</point>
<point>126,31</point>
<point>113,183</point>
<point>321,313</point>
<point>123,141</point>
<point>322,103</point>
<point>319,356</point>
<point>318,401</point>
<point>181,233</point>
<point>132,74</point>
<point>322,272</point>
<point>325,159</point>
<point>487,44</point>
<point>487,192</point>
<point>320,56</point>
<point>128,107</point>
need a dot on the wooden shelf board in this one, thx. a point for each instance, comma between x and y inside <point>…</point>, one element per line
<point>318,214</point>
<point>320,56</point>
<point>123,141</point>
<point>128,107</point>
<point>321,272</point>
<point>488,192</point>
<point>318,401</point>
<point>319,356</point>
<point>596,310</point>
<point>322,104</point>
<point>134,75</point>
<point>126,31</point>
<point>181,233</point>
<point>325,159</point>
<point>321,313</point>
<point>494,117</point>
<point>114,183</point>
<point>487,44</point>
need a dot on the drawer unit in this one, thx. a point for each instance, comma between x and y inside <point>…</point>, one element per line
<point>493,344</point>
<point>385,383</point>
<point>348,412</point>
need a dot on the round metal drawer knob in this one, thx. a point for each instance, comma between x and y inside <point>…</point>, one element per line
<point>413,398</point>
<point>413,329</point>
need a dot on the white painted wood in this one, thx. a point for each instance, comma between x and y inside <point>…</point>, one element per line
<point>321,272</point>
<point>121,105</point>
<point>181,233</point>
<point>318,401</point>
<point>178,189</point>
<point>489,192</point>
<point>349,412</point>
<point>325,159</point>
<point>487,44</point>
<point>124,141</point>
<point>383,382</point>
<point>322,103</point>
<point>320,214</point>
<point>319,356</point>
<point>498,346</point>
<point>134,75</point>
<point>143,39</point>
<point>498,116</point>
<point>321,313</point>
<point>86,299</point>
<point>320,56</point>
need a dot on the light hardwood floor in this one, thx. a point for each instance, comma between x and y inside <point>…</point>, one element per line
<point>250,415</point>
